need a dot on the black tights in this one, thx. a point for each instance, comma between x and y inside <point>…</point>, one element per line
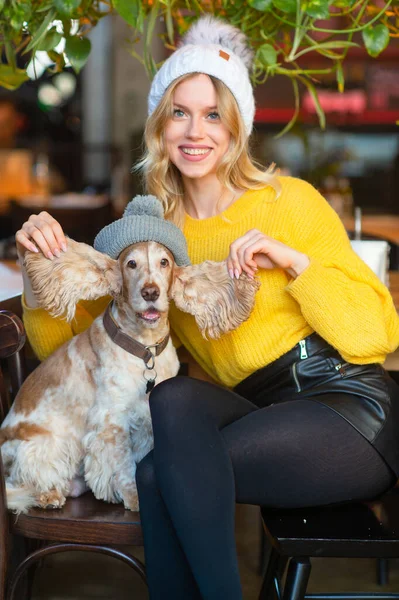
<point>214,448</point>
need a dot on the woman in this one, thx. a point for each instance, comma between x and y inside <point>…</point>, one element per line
<point>306,415</point>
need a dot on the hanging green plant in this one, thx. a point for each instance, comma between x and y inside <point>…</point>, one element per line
<point>284,34</point>
<point>56,27</point>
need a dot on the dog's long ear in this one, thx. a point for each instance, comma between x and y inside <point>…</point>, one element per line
<point>80,273</point>
<point>218,302</point>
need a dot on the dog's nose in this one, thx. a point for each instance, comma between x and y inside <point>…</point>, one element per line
<point>150,293</point>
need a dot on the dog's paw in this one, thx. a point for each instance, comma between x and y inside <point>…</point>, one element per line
<point>51,499</point>
<point>131,500</point>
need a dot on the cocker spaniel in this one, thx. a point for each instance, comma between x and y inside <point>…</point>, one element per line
<point>82,417</point>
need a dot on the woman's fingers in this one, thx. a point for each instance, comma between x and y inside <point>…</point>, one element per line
<point>237,261</point>
<point>233,263</point>
<point>24,243</point>
<point>255,249</point>
<point>59,235</point>
<point>56,232</point>
<point>44,231</point>
<point>245,254</point>
<point>43,238</point>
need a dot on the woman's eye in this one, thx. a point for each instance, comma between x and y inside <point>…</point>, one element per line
<point>214,116</point>
<point>164,262</point>
<point>132,264</point>
<point>178,113</point>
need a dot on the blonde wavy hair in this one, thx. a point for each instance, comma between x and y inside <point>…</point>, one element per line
<point>237,169</point>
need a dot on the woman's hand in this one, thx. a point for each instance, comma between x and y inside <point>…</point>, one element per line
<point>41,233</point>
<point>255,249</point>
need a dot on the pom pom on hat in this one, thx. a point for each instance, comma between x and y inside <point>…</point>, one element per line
<point>210,30</point>
<point>144,205</point>
<point>142,221</point>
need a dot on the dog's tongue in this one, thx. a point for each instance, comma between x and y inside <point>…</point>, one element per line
<point>151,314</point>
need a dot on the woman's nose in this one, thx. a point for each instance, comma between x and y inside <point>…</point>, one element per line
<point>195,129</point>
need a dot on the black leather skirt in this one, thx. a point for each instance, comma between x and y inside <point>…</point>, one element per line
<point>364,395</point>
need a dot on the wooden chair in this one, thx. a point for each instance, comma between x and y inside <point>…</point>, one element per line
<point>84,524</point>
<point>362,530</point>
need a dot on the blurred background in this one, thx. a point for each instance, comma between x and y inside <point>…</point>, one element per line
<point>70,140</point>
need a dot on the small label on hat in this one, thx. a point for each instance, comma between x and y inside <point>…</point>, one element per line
<point>224,55</point>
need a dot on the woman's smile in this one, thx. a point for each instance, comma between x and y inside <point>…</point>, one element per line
<point>195,153</point>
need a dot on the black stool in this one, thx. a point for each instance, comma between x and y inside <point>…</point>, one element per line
<point>362,530</point>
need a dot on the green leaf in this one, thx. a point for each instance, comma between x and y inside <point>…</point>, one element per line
<point>2,3</point>
<point>149,62</point>
<point>169,23</point>
<point>77,50</point>
<point>376,39</point>
<point>19,14</point>
<point>313,93</point>
<point>325,46</point>
<point>66,7</point>
<point>41,31</point>
<point>58,59</point>
<point>340,77</point>
<point>11,78</point>
<point>129,10</point>
<point>267,55</point>
<point>44,6</point>
<point>344,3</point>
<point>10,54</point>
<point>317,9</point>
<point>50,40</point>
<point>262,5</point>
<point>287,6</point>
<point>292,122</point>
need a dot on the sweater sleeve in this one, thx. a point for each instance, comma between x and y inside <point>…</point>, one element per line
<point>339,295</point>
<point>46,333</point>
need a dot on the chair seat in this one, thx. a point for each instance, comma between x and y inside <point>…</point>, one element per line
<point>81,519</point>
<point>361,529</point>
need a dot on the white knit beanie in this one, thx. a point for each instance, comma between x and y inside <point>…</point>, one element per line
<point>215,48</point>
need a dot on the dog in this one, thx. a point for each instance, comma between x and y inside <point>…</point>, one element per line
<point>82,419</point>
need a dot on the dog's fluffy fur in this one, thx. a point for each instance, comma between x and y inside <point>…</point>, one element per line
<point>82,417</point>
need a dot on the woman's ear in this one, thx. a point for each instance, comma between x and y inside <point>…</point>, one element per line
<point>80,273</point>
<point>218,302</point>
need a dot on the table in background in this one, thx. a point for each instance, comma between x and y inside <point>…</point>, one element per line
<point>383,226</point>
<point>10,286</point>
<point>394,287</point>
<point>69,200</point>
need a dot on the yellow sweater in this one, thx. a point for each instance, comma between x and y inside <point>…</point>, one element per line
<point>337,295</point>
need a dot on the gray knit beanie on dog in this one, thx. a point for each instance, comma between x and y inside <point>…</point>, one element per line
<point>142,221</point>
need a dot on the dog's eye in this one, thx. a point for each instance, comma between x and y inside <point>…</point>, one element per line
<point>164,262</point>
<point>132,264</point>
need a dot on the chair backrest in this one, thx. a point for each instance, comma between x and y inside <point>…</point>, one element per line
<point>12,359</point>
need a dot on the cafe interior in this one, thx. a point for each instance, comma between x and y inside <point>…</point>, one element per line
<point>68,142</point>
